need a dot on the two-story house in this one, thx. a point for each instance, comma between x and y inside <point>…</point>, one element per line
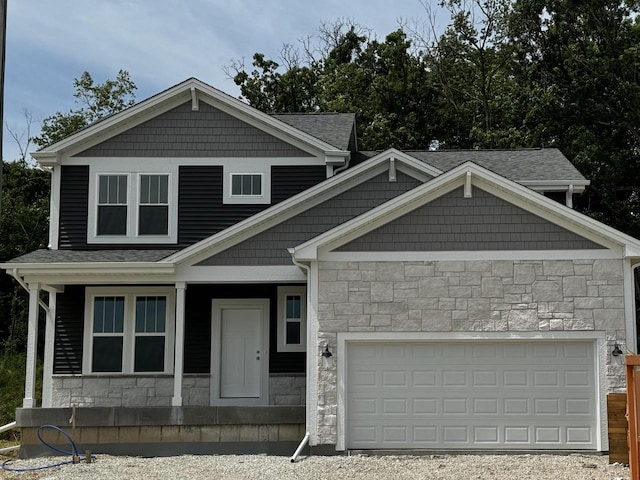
<point>223,280</point>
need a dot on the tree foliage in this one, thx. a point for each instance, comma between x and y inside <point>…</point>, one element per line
<point>502,74</point>
<point>96,100</point>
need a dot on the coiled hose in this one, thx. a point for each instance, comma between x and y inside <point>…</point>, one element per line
<point>74,451</point>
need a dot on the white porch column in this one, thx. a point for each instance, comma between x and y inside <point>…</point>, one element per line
<point>178,362</point>
<point>49,337</point>
<point>32,347</point>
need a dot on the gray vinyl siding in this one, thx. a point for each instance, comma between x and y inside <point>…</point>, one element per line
<point>270,247</point>
<point>455,223</point>
<point>69,331</point>
<point>181,132</point>
<point>201,212</point>
<point>74,206</point>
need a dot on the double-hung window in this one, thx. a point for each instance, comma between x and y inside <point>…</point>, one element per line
<point>292,321</point>
<point>153,215</point>
<point>133,207</point>
<point>129,330</point>
<point>112,205</point>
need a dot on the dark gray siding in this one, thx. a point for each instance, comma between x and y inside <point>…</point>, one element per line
<point>181,132</point>
<point>455,223</point>
<point>198,309</point>
<point>288,181</point>
<point>270,247</point>
<point>74,205</point>
<point>201,212</point>
<point>67,352</point>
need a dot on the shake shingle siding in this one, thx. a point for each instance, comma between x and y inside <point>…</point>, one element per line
<point>455,223</point>
<point>181,132</point>
<point>270,247</point>
<point>74,205</point>
<point>69,331</point>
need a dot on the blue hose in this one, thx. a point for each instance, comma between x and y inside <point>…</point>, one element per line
<point>50,447</point>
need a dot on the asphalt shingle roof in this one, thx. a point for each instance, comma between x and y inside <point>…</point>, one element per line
<point>79,256</point>
<point>543,164</point>
<point>333,128</point>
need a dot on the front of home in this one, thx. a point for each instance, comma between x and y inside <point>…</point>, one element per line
<point>224,280</point>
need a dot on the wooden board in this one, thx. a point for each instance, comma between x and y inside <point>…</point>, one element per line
<point>618,428</point>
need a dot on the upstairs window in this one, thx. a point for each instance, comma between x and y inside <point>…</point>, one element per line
<point>247,182</point>
<point>112,205</point>
<point>132,207</point>
<point>246,185</point>
<point>292,321</point>
<point>153,216</point>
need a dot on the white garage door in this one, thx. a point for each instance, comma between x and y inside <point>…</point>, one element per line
<point>473,395</point>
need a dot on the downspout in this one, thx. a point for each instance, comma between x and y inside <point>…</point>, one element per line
<point>307,434</point>
<point>338,170</point>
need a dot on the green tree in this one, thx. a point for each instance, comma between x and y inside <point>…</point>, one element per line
<point>96,100</point>
<point>581,61</point>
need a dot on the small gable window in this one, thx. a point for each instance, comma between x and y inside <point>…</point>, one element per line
<point>112,204</point>
<point>246,184</point>
<point>153,217</point>
<point>292,322</point>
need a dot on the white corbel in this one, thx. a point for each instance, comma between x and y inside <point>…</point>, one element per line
<point>194,100</point>
<point>392,169</point>
<point>569,198</point>
<point>467,186</point>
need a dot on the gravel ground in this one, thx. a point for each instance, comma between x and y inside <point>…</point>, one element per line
<point>263,467</point>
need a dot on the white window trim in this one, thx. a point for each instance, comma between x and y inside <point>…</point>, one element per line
<point>129,334</point>
<point>246,168</point>
<point>282,306</point>
<point>133,204</point>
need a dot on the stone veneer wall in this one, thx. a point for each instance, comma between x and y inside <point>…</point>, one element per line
<point>465,296</point>
<point>157,391</point>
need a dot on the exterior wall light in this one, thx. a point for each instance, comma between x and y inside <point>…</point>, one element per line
<point>616,350</point>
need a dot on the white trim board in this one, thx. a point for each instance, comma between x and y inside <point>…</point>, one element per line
<point>600,357</point>
<point>171,98</point>
<point>494,184</point>
<point>299,203</point>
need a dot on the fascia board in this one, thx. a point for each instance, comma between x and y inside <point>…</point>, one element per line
<point>553,211</point>
<point>274,215</point>
<point>483,178</point>
<point>92,268</point>
<point>127,119</point>
<point>167,100</point>
<point>411,161</point>
<point>290,207</point>
<point>378,216</point>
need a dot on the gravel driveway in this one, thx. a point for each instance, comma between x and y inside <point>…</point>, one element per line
<point>262,467</point>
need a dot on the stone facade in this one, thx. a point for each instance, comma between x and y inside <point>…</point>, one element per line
<point>157,391</point>
<point>465,296</point>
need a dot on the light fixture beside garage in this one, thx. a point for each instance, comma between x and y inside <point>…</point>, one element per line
<point>616,350</point>
<point>327,357</point>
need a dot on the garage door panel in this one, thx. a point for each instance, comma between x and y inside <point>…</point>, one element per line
<point>415,398</point>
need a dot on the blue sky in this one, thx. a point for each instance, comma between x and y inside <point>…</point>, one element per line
<point>160,43</point>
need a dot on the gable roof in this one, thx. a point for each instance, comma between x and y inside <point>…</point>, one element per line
<point>315,195</point>
<point>469,175</point>
<point>190,90</point>
<point>530,167</point>
<point>333,128</point>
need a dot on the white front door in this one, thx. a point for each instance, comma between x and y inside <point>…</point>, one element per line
<point>240,352</point>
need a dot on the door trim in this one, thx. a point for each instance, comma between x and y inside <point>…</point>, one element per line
<point>216,333</point>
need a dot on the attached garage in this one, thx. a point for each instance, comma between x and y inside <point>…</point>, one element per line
<point>530,394</point>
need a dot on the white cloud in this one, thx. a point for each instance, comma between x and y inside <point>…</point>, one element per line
<point>160,42</point>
